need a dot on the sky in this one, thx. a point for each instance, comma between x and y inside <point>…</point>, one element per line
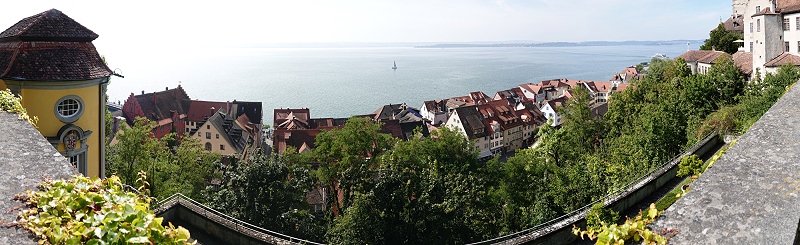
<point>146,24</point>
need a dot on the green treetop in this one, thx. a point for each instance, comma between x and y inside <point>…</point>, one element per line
<point>722,40</point>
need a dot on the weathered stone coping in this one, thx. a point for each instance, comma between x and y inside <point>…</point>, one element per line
<point>750,195</point>
<point>559,230</point>
<point>218,225</point>
<point>25,158</point>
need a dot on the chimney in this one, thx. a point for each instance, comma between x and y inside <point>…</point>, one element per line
<point>166,88</point>
<point>142,91</point>
<point>772,5</point>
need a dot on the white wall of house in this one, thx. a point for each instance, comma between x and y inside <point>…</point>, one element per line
<point>454,123</point>
<point>765,32</point>
<point>534,96</point>
<point>692,66</point>
<point>551,114</point>
<point>793,34</point>
<point>483,144</point>
<point>703,68</point>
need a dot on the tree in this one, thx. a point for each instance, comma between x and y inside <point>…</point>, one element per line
<point>722,40</point>
<point>346,158</point>
<point>268,192</point>
<point>186,168</point>
<point>426,190</point>
<point>137,150</point>
<point>188,155</point>
<point>727,80</point>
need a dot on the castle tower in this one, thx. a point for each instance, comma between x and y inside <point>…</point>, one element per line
<point>739,7</point>
<point>49,60</point>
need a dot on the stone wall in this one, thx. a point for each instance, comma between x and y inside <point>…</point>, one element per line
<point>26,158</point>
<point>751,195</point>
<point>211,227</point>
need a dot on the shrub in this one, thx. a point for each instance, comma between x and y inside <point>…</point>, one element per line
<point>92,211</point>
<point>11,103</point>
<point>633,229</point>
<point>599,214</point>
<point>690,165</point>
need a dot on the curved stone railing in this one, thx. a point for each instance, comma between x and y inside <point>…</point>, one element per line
<point>556,231</point>
<point>559,230</point>
<point>218,225</point>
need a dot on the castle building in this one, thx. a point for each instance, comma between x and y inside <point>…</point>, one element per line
<point>49,60</point>
<point>771,32</point>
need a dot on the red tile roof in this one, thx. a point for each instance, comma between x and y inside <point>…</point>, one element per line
<point>533,88</point>
<point>744,61</point>
<point>281,115</point>
<point>765,11</point>
<point>50,25</point>
<point>200,110</point>
<point>702,56</point>
<point>160,105</point>
<point>50,47</point>
<point>630,71</point>
<point>499,111</point>
<point>51,61</point>
<point>560,101</point>
<point>788,6</point>
<point>734,23</point>
<point>783,59</point>
<point>622,87</point>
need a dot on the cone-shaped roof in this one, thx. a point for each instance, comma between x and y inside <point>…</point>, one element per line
<point>50,25</point>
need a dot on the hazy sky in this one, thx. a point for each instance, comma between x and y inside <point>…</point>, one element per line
<point>147,25</point>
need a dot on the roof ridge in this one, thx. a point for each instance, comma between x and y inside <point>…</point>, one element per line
<point>38,18</point>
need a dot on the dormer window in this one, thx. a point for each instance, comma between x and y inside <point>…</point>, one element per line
<point>758,9</point>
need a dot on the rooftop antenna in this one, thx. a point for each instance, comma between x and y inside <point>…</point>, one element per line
<point>688,46</point>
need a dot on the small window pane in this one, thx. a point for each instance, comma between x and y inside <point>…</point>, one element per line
<point>68,107</point>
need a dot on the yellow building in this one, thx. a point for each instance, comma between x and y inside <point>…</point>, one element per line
<point>49,60</point>
<point>227,136</point>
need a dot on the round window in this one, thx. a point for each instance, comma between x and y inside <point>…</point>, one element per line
<point>69,108</point>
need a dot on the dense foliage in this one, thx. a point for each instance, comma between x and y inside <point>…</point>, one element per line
<point>381,190</point>
<point>185,168</point>
<point>92,211</point>
<point>433,191</point>
<point>722,40</point>
<point>600,215</point>
<point>426,190</point>
<point>268,192</point>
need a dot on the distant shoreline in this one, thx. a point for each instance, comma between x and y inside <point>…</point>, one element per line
<point>557,44</point>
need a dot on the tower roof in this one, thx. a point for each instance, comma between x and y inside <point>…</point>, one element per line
<point>50,25</point>
<point>50,46</point>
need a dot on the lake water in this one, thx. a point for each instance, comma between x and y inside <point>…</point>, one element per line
<point>340,82</point>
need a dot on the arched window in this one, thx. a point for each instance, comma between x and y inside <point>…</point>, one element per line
<point>208,146</point>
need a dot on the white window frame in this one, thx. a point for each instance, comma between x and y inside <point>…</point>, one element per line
<point>57,109</point>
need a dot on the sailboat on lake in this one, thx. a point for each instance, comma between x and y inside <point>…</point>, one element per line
<point>394,67</point>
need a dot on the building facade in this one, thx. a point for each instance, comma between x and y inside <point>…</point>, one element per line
<point>49,60</point>
<point>771,32</point>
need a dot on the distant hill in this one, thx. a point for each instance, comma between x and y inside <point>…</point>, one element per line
<point>557,44</point>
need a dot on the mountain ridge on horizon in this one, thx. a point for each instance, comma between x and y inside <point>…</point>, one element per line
<point>465,44</point>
